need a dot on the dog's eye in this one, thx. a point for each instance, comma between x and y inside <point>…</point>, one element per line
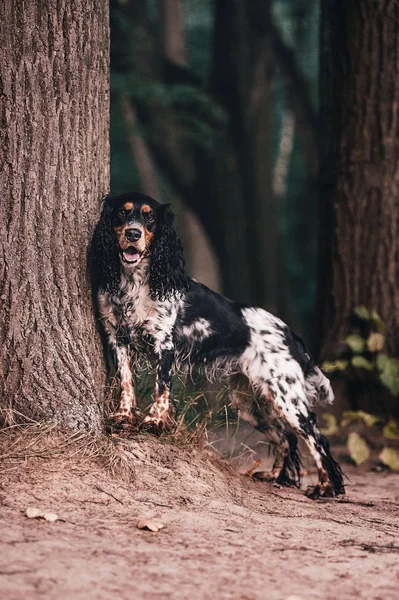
<point>150,217</point>
<point>121,213</point>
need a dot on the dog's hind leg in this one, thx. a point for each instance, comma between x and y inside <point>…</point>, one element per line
<point>287,464</point>
<point>291,404</point>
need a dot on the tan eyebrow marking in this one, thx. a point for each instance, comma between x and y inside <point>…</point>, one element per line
<point>128,205</point>
<point>145,208</point>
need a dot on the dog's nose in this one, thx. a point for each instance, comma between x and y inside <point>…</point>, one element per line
<point>133,234</point>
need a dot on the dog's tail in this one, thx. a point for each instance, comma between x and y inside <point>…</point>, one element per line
<point>318,388</point>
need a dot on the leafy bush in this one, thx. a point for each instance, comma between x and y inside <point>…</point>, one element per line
<point>366,351</point>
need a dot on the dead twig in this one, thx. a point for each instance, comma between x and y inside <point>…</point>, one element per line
<point>100,489</point>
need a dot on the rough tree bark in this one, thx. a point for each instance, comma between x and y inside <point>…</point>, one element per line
<point>54,170</point>
<point>359,167</point>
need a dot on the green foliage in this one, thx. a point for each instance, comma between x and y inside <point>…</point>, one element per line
<point>389,372</point>
<point>365,351</point>
<point>391,430</point>
<point>358,448</point>
<point>390,458</point>
<point>356,343</point>
<point>332,425</point>
<point>372,427</point>
<point>360,362</point>
<point>349,416</point>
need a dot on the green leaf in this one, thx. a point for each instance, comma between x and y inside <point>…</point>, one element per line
<point>377,322</point>
<point>362,312</point>
<point>375,342</point>
<point>341,364</point>
<point>389,373</point>
<point>356,343</point>
<point>338,365</point>
<point>382,361</point>
<point>390,458</point>
<point>391,430</point>
<point>358,415</point>
<point>358,448</point>
<point>331,422</point>
<point>359,362</point>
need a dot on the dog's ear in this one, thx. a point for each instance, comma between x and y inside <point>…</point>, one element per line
<point>168,277</point>
<point>104,253</point>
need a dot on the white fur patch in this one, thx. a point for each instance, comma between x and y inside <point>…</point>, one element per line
<point>200,330</point>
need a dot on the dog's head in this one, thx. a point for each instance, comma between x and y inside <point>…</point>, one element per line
<point>133,227</point>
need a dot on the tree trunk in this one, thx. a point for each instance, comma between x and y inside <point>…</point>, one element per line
<point>242,82</point>
<point>54,144</point>
<point>359,167</point>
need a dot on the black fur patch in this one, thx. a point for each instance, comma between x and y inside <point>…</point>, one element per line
<point>291,473</point>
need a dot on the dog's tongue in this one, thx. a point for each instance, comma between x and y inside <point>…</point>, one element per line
<point>130,257</point>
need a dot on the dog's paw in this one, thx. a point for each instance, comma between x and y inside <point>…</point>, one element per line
<point>268,476</point>
<point>156,424</point>
<point>320,491</point>
<point>121,419</point>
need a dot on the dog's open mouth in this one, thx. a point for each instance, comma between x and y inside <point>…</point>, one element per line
<point>131,255</point>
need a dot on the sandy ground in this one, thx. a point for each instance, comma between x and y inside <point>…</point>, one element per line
<point>225,535</point>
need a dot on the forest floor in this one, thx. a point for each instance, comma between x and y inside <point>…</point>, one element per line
<point>225,535</point>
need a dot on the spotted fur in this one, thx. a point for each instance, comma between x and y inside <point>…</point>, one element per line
<point>151,308</point>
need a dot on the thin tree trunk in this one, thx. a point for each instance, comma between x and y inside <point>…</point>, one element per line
<point>201,260</point>
<point>54,169</point>
<point>359,167</point>
<point>139,150</point>
<point>242,78</point>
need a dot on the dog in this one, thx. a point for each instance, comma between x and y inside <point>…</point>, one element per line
<point>151,308</point>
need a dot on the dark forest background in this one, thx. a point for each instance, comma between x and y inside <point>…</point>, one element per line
<point>213,108</point>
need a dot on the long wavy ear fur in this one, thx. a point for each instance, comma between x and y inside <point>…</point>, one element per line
<point>168,277</point>
<point>104,255</point>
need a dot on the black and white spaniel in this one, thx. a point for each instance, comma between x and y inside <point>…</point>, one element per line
<point>150,307</point>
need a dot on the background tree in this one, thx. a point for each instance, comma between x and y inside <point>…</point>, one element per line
<point>54,169</point>
<point>359,195</point>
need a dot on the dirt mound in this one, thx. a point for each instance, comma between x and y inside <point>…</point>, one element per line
<point>225,536</point>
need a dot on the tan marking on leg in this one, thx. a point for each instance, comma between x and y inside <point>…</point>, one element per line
<point>128,398</point>
<point>159,411</point>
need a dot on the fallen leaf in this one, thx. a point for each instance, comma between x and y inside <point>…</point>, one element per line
<point>358,448</point>
<point>390,458</point>
<point>250,471</point>
<point>50,517</point>
<point>150,525</point>
<point>32,512</point>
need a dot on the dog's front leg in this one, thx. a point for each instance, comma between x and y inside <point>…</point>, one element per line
<point>127,399</point>
<point>163,398</point>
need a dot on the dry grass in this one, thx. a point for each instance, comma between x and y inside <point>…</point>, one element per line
<point>46,441</point>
